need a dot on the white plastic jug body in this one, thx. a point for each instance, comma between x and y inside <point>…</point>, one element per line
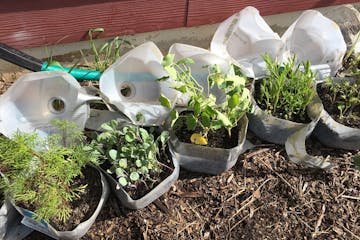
<point>315,38</point>
<point>36,99</point>
<point>131,85</point>
<point>244,38</point>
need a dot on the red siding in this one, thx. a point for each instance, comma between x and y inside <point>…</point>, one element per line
<point>26,23</point>
<point>205,12</point>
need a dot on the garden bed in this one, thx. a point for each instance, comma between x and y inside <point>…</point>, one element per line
<point>262,196</point>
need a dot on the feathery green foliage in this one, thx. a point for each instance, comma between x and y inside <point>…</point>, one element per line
<point>206,112</point>
<point>288,90</point>
<point>132,151</point>
<point>39,172</point>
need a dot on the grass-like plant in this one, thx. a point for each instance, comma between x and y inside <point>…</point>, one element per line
<point>109,52</point>
<point>288,90</point>
<point>39,172</point>
<point>206,113</point>
<point>132,151</point>
<point>344,95</point>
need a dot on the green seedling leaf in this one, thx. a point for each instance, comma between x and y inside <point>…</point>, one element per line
<point>191,122</point>
<point>122,181</point>
<point>106,127</point>
<point>205,120</point>
<point>143,133</point>
<point>140,117</point>
<point>134,176</point>
<point>168,60</point>
<point>181,89</point>
<point>164,101</point>
<point>223,119</point>
<point>197,108</point>
<point>123,163</point>
<point>130,136</point>
<point>164,137</point>
<point>234,101</point>
<point>119,172</point>
<point>113,154</point>
<point>144,170</point>
<point>174,115</point>
<point>138,163</point>
<point>185,61</point>
<point>171,71</point>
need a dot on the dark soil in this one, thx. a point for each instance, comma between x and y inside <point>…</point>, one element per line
<point>350,120</point>
<point>216,139</point>
<point>142,188</point>
<point>278,113</point>
<point>83,207</point>
<point>264,196</point>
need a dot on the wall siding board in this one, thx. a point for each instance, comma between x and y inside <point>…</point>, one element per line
<point>26,23</point>
<point>35,24</point>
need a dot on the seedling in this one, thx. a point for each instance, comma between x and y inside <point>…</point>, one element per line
<point>205,113</point>
<point>132,151</point>
<point>356,160</point>
<point>109,52</point>
<point>288,90</point>
<point>351,61</point>
<point>38,172</point>
<point>344,95</point>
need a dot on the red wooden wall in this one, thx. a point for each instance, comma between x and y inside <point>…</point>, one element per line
<point>26,23</point>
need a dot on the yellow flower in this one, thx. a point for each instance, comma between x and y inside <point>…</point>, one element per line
<point>197,138</point>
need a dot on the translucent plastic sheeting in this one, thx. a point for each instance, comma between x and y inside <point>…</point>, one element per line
<point>36,99</point>
<point>244,38</point>
<point>131,85</point>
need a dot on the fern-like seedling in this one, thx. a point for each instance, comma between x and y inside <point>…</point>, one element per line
<point>39,172</point>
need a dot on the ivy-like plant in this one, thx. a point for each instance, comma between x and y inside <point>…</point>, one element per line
<point>39,172</point>
<point>206,113</point>
<point>132,151</point>
<point>288,90</point>
<point>344,95</point>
